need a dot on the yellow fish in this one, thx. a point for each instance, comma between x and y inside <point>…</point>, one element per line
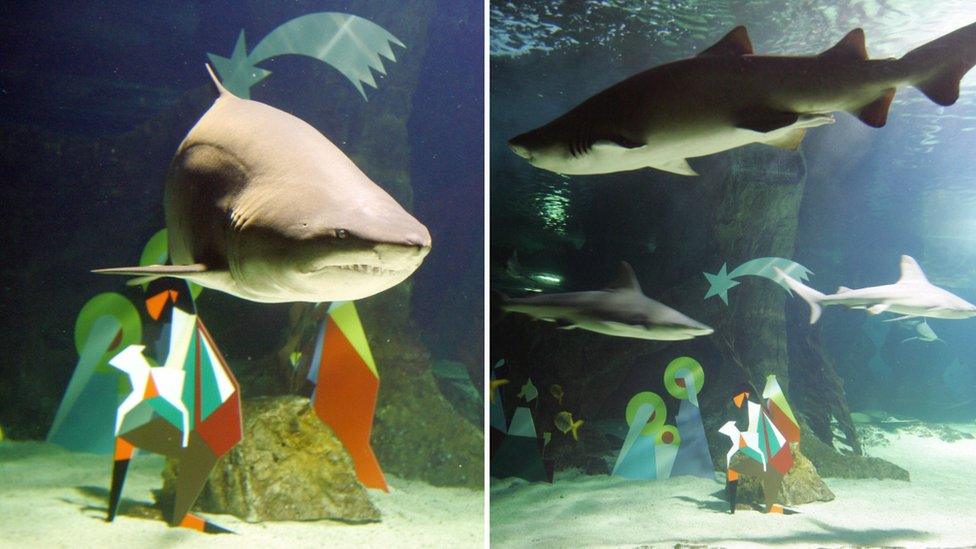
<point>564,422</point>
<point>495,383</point>
<point>1,434</point>
<point>557,392</point>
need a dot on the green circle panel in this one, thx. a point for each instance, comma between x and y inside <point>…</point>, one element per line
<point>657,417</point>
<point>668,435</point>
<point>675,368</point>
<point>111,304</point>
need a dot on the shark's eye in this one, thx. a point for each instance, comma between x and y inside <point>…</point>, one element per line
<point>341,233</point>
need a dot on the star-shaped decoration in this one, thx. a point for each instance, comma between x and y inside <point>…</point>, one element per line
<point>720,283</point>
<point>237,74</point>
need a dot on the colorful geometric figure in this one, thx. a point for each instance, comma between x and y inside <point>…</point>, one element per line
<point>346,386</point>
<point>765,449</point>
<point>188,409</point>
<point>106,324</point>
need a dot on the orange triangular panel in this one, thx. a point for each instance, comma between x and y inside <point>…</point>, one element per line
<point>151,390</point>
<point>156,303</point>
<point>345,400</point>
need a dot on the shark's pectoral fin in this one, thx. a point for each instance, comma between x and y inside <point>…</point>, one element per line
<point>897,318</point>
<point>149,273</point>
<point>790,140</point>
<point>679,166</point>
<point>875,114</point>
<point>764,119</point>
<point>564,324</point>
<point>878,309</point>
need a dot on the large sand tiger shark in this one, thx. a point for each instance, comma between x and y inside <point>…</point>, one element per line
<point>727,97</point>
<point>621,309</point>
<point>912,296</point>
<point>262,206</point>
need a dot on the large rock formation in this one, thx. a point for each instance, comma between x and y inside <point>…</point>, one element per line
<point>288,466</point>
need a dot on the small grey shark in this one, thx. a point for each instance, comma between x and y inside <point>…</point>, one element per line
<point>912,296</point>
<point>727,97</point>
<point>621,309</point>
<point>923,332</point>
<point>262,206</point>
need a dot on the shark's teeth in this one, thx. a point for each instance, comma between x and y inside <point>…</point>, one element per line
<point>365,269</point>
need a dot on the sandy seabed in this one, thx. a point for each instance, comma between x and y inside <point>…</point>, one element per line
<point>937,508</point>
<point>53,498</point>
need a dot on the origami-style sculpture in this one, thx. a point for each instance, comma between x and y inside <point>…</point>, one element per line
<point>346,384</point>
<point>721,282</point>
<point>351,44</point>
<point>107,324</point>
<point>764,446</point>
<point>653,450</point>
<point>188,409</point>
<point>650,448</point>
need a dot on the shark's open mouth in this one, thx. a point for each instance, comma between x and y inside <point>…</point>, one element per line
<point>363,269</point>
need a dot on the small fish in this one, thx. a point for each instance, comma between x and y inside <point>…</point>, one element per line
<point>528,391</point>
<point>546,438</point>
<point>496,383</point>
<point>557,392</point>
<point>564,422</point>
<point>294,357</point>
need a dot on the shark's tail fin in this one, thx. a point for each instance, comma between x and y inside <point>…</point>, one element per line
<point>937,67</point>
<point>811,296</point>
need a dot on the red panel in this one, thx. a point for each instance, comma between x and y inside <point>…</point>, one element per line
<point>345,400</point>
<point>783,422</point>
<point>783,460</point>
<point>222,429</point>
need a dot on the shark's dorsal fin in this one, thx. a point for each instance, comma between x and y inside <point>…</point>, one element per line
<point>625,279</point>
<point>851,46</point>
<point>736,42</point>
<point>910,271</point>
<point>216,81</point>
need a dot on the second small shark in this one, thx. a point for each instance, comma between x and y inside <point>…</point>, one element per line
<point>912,296</point>
<point>621,310</point>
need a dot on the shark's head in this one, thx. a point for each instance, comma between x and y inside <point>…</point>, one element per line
<point>542,148</point>
<point>954,307</point>
<point>322,259</point>
<point>676,329</point>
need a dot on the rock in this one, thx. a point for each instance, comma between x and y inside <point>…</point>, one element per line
<point>801,485</point>
<point>288,466</point>
<point>831,463</point>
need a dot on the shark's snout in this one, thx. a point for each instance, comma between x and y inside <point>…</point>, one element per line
<point>519,149</point>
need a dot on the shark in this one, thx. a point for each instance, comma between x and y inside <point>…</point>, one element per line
<point>923,332</point>
<point>911,296</point>
<point>728,97</point>
<point>621,309</point>
<point>262,206</point>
